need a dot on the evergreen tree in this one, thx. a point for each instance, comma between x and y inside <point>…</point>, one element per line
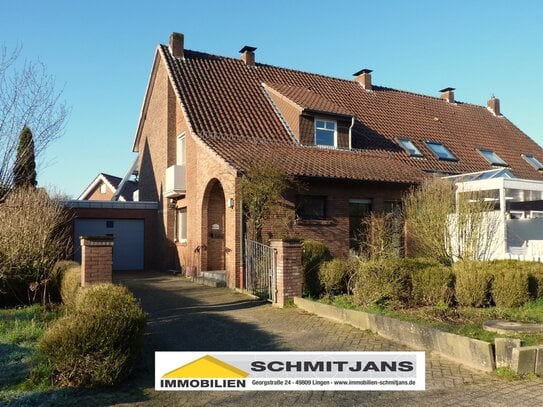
<point>24,170</point>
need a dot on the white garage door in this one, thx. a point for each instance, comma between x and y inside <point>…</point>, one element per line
<point>128,244</point>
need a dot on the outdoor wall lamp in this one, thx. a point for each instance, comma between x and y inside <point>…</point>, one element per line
<point>230,203</point>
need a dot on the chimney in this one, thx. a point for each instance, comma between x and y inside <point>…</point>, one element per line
<point>494,105</point>
<point>248,55</point>
<point>177,41</point>
<point>447,94</point>
<point>363,77</point>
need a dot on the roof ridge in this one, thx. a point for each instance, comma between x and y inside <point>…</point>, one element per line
<point>327,77</point>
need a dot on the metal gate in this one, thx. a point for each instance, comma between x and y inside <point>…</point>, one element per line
<point>260,270</point>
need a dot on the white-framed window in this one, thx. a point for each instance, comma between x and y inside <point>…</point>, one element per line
<point>103,188</point>
<point>181,151</point>
<point>325,133</point>
<point>181,227</point>
<point>536,214</point>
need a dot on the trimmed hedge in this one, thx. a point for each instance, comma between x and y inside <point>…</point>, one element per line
<point>333,276</point>
<point>313,255</point>
<point>432,284</point>
<point>473,282</point>
<point>98,343</point>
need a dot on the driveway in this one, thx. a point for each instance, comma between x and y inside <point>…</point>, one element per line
<point>187,316</point>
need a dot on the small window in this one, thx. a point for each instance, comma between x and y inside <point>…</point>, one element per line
<point>536,214</point>
<point>534,162</point>
<point>441,152</point>
<point>110,224</point>
<point>181,154</point>
<point>492,157</point>
<point>103,188</point>
<point>311,207</point>
<point>409,147</point>
<point>516,215</point>
<point>182,225</point>
<point>325,133</point>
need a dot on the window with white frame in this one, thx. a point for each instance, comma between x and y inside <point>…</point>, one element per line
<point>103,188</point>
<point>325,133</point>
<point>181,152</point>
<point>536,214</point>
<point>181,229</point>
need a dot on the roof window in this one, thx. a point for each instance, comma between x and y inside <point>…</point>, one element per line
<point>492,157</point>
<point>325,133</point>
<point>409,147</point>
<point>441,152</point>
<point>534,162</point>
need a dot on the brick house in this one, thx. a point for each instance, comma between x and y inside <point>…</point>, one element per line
<point>104,187</point>
<point>357,147</point>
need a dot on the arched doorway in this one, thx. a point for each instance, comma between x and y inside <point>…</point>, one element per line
<point>214,232</point>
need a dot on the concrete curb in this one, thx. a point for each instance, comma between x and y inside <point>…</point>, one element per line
<point>473,353</point>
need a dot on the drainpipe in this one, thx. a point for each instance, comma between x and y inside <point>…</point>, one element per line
<point>350,133</point>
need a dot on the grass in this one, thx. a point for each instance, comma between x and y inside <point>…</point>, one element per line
<point>25,380</point>
<point>466,321</point>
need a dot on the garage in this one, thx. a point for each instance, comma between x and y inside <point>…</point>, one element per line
<point>128,246</point>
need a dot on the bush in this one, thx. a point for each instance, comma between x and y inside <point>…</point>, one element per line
<point>535,279</point>
<point>473,279</point>
<point>33,236</point>
<point>383,282</point>
<point>313,255</point>
<point>432,284</point>
<point>98,343</point>
<point>510,288</point>
<point>70,283</point>
<point>333,276</point>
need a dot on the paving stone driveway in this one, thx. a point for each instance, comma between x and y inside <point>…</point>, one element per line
<point>187,316</point>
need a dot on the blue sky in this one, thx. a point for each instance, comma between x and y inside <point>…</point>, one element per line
<point>100,53</point>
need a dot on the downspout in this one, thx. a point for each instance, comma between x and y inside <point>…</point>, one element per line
<point>350,133</point>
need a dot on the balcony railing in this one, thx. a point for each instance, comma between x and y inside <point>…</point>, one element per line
<point>175,185</point>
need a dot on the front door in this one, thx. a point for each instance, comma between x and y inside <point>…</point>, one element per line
<point>215,228</point>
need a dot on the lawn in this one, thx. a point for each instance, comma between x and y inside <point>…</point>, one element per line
<point>20,330</point>
<point>466,321</point>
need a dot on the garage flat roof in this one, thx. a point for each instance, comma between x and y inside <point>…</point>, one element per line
<point>111,204</point>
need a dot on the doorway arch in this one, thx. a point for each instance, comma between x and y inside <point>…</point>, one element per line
<point>213,225</point>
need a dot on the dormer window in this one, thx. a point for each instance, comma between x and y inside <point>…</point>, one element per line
<point>325,133</point>
<point>534,162</point>
<point>492,157</point>
<point>409,147</point>
<point>440,151</point>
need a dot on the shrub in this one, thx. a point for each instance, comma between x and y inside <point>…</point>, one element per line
<point>433,284</point>
<point>313,255</point>
<point>473,279</point>
<point>333,276</point>
<point>33,236</point>
<point>384,282</point>
<point>98,343</point>
<point>70,283</point>
<point>535,279</point>
<point>510,288</point>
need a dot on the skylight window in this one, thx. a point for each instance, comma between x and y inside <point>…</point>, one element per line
<point>492,157</point>
<point>534,162</point>
<point>409,147</point>
<point>441,152</point>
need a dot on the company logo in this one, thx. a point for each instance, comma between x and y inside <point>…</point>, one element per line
<point>205,372</point>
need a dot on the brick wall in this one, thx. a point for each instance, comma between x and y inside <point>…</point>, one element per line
<point>96,260</point>
<point>96,195</point>
<point>334,230</point>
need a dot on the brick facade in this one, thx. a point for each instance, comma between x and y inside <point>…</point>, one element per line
<point>96,260</point>
<point>97,195</point>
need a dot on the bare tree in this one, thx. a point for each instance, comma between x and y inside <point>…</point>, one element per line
<point>27,98</point>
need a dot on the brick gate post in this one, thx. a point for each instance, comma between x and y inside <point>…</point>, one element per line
<point>288,270</point>
<point>96,259</point>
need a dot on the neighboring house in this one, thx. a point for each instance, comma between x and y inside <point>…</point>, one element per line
<point>357,147</point>
<point>105,186</point>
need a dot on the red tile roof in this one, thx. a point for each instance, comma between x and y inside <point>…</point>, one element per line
<point>227,106</point>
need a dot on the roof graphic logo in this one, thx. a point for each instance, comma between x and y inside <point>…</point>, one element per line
<point>206,367</point>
